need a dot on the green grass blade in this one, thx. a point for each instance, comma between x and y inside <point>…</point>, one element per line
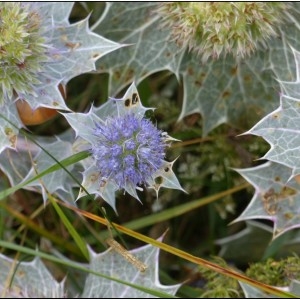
<point>77,238</point>
<point>30,224</point>
<point>176,211</point>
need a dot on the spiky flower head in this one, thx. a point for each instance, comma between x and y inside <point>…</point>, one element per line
<point>214,28</point>
<point>128,150</point>
<point>22,49</point>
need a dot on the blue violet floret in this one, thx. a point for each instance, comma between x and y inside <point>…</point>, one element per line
<point>128,150</point>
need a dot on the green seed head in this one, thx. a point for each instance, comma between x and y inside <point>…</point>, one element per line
<point>214,28</point>
<point>22,49</point>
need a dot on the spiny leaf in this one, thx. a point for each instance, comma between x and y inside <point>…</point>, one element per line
<point>8,133</point>
<point>113,264</point>
<point>74,50</point>
<point>103,281</point>
<point>60,13</point>
<point>71,50</point>
<point>255,233</point>
<point>276,196</point>
<point>281,130</point>
<point>295,287</point>
<point>214,88</point>
<point>30,280</point>
<point>54,181</point>
<point>91,183</point>
<point>79,49</point>
<point>165,177</point>
<point>211,89</point>
<point>26,165</point>
<point>149,50</point>
<point>252,292</point>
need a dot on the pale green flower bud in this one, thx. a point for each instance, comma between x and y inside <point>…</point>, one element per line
<point>212,29</point>
<point>22,49</point>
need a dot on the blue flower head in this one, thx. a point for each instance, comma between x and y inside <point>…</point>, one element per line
<point>128,150</point>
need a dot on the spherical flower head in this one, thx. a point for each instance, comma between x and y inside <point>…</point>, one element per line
<point>21,49</point>
<point>128,150</point>
<point>214,28</point>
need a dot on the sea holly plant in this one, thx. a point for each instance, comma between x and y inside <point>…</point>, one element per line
<point>40,52</point>
<point>224,53</point>
<point>31,279</point>
<point>127,150</point>
<point>232,60</point>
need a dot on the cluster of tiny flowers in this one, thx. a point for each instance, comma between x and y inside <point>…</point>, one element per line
<point>212,28</point>
<point>128,150</point>
<point>22,48</point>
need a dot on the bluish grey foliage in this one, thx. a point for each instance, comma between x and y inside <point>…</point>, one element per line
<point>33,279</point>
<point>64,51</point>
<point>30,280</point>
<point>127,151</point>
<point>226,90</point>
<point>113,264</point>
<point>276,182</point>
<point>253,292</point>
